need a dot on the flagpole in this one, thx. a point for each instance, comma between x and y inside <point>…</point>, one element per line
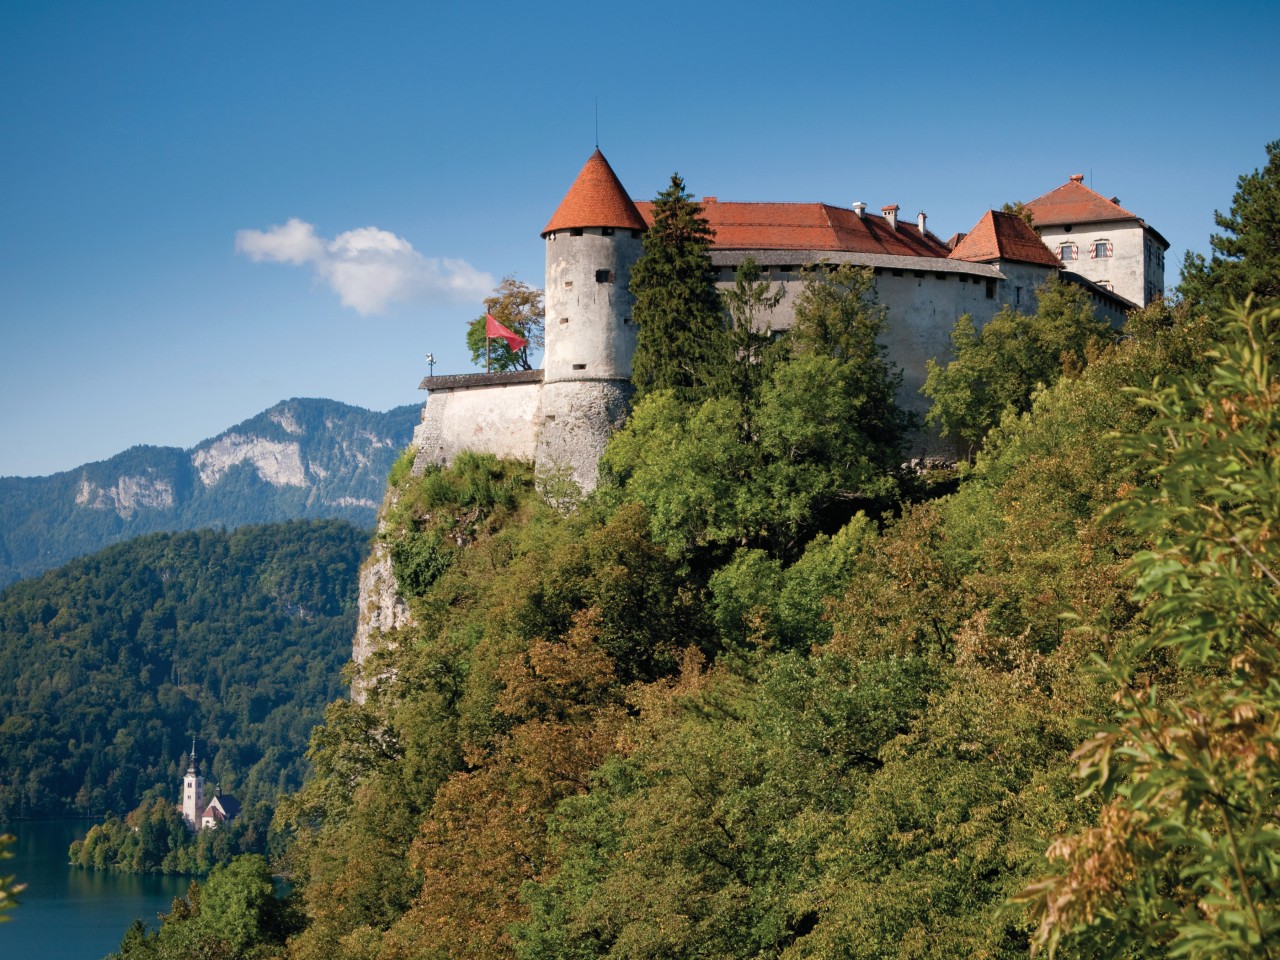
<point>486,353</point>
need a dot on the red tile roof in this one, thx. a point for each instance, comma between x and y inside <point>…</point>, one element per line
<point>1073,202</point>
<point>596,199</point>
<point>1003,236</point>
<point>809,226</point>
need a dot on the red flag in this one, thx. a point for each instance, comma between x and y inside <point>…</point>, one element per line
<point>492,328</point>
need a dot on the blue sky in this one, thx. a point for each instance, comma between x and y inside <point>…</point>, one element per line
<point>150,149</point>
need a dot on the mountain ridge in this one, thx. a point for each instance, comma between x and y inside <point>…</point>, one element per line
<point>303,458</point>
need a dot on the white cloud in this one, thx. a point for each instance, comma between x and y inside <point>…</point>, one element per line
<point>368,268</point>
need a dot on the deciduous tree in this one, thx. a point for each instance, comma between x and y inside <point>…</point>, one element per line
<point>518,307</point>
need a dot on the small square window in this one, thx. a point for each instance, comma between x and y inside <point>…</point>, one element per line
<point>1101,249</point>
<point>1067,252</point>
<point>604,276</point>
<point>579,366</point>
<point>568,284</point>
<point>606,231</point>
<point>563,321</point>
<point>897,273</point>
<point>635,234</point>
<point>575,231</point>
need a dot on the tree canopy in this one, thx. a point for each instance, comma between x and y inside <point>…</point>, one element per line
<point>680,341</point>
<point>998,368</point>
<point>519,308</point>
<point>1245,257</point>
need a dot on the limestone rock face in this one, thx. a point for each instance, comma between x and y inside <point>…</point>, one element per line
<point>279,464</point>
<point>381,608</point>
<point>126,495</point>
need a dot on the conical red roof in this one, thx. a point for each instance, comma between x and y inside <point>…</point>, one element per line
<point>596,199</point>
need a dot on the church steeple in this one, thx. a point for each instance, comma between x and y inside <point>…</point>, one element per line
<point>192,792</point>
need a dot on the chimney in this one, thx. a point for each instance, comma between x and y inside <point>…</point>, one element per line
<point>1077,178</point>
<point>859,208</point>
<point>708,199</point>
<point>920,218</point>
<point>891,214</point>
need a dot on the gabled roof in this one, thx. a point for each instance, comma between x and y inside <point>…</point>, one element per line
<point>223,806</point>
<point>810,226</point>
<point>1073,202</point>
<point>596,199</point>
<point>1003,236</point>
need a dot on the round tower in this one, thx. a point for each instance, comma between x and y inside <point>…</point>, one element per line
<point>593,240</point>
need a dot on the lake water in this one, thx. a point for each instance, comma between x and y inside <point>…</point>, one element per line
<point>71,914</point>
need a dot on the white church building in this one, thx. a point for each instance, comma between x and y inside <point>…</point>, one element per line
<point>201,812</point>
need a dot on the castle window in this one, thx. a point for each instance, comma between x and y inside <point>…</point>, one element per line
<point>626,319</point>
<point>575,231</point>
<point>604,276</point>
<point>1105,285</point>
<point>568,284</point>
<point>963,278</point>
<point>1068,251</point>
<point>991,289</point>
<point>579,366</point>
<point>897,273</point>
<point>635,234</point>
<point>606,231</point>
<point>941,276</point>
<point>1102,249</point>
<point>564,320</point>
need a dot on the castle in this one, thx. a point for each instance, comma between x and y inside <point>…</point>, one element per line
<point>561,416</point>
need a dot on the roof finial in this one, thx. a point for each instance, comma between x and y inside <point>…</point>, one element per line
<point>597,121</point>
<point>193,749</point>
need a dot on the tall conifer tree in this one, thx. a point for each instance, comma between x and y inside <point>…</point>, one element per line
<point>682,344</point>
<point>1246,256</point>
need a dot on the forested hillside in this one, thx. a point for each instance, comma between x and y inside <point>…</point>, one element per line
<point>302,459</point>
<point>765,695</point>
<point>110,666</point>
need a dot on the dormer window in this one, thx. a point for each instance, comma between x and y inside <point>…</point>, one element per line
<point>1102,250</point>
<point>1068,251</point>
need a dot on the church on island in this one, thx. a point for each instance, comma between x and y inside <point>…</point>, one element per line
<point>560,417</point>
<point>201,812</point>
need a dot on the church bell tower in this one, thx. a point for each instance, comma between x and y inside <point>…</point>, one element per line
<point>192,793</point>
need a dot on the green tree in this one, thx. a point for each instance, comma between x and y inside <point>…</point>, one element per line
<point>681,343</point>
<point>1245,258</point>
<point>9,887</point>
<point>752,350</point>
<point>837,316</point>
<point>1183,858</point>
<point>998,368</point>
<point>518,307</point>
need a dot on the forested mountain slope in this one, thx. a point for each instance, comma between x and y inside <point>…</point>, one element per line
<point>110,665</point>
<point>301,459</point>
